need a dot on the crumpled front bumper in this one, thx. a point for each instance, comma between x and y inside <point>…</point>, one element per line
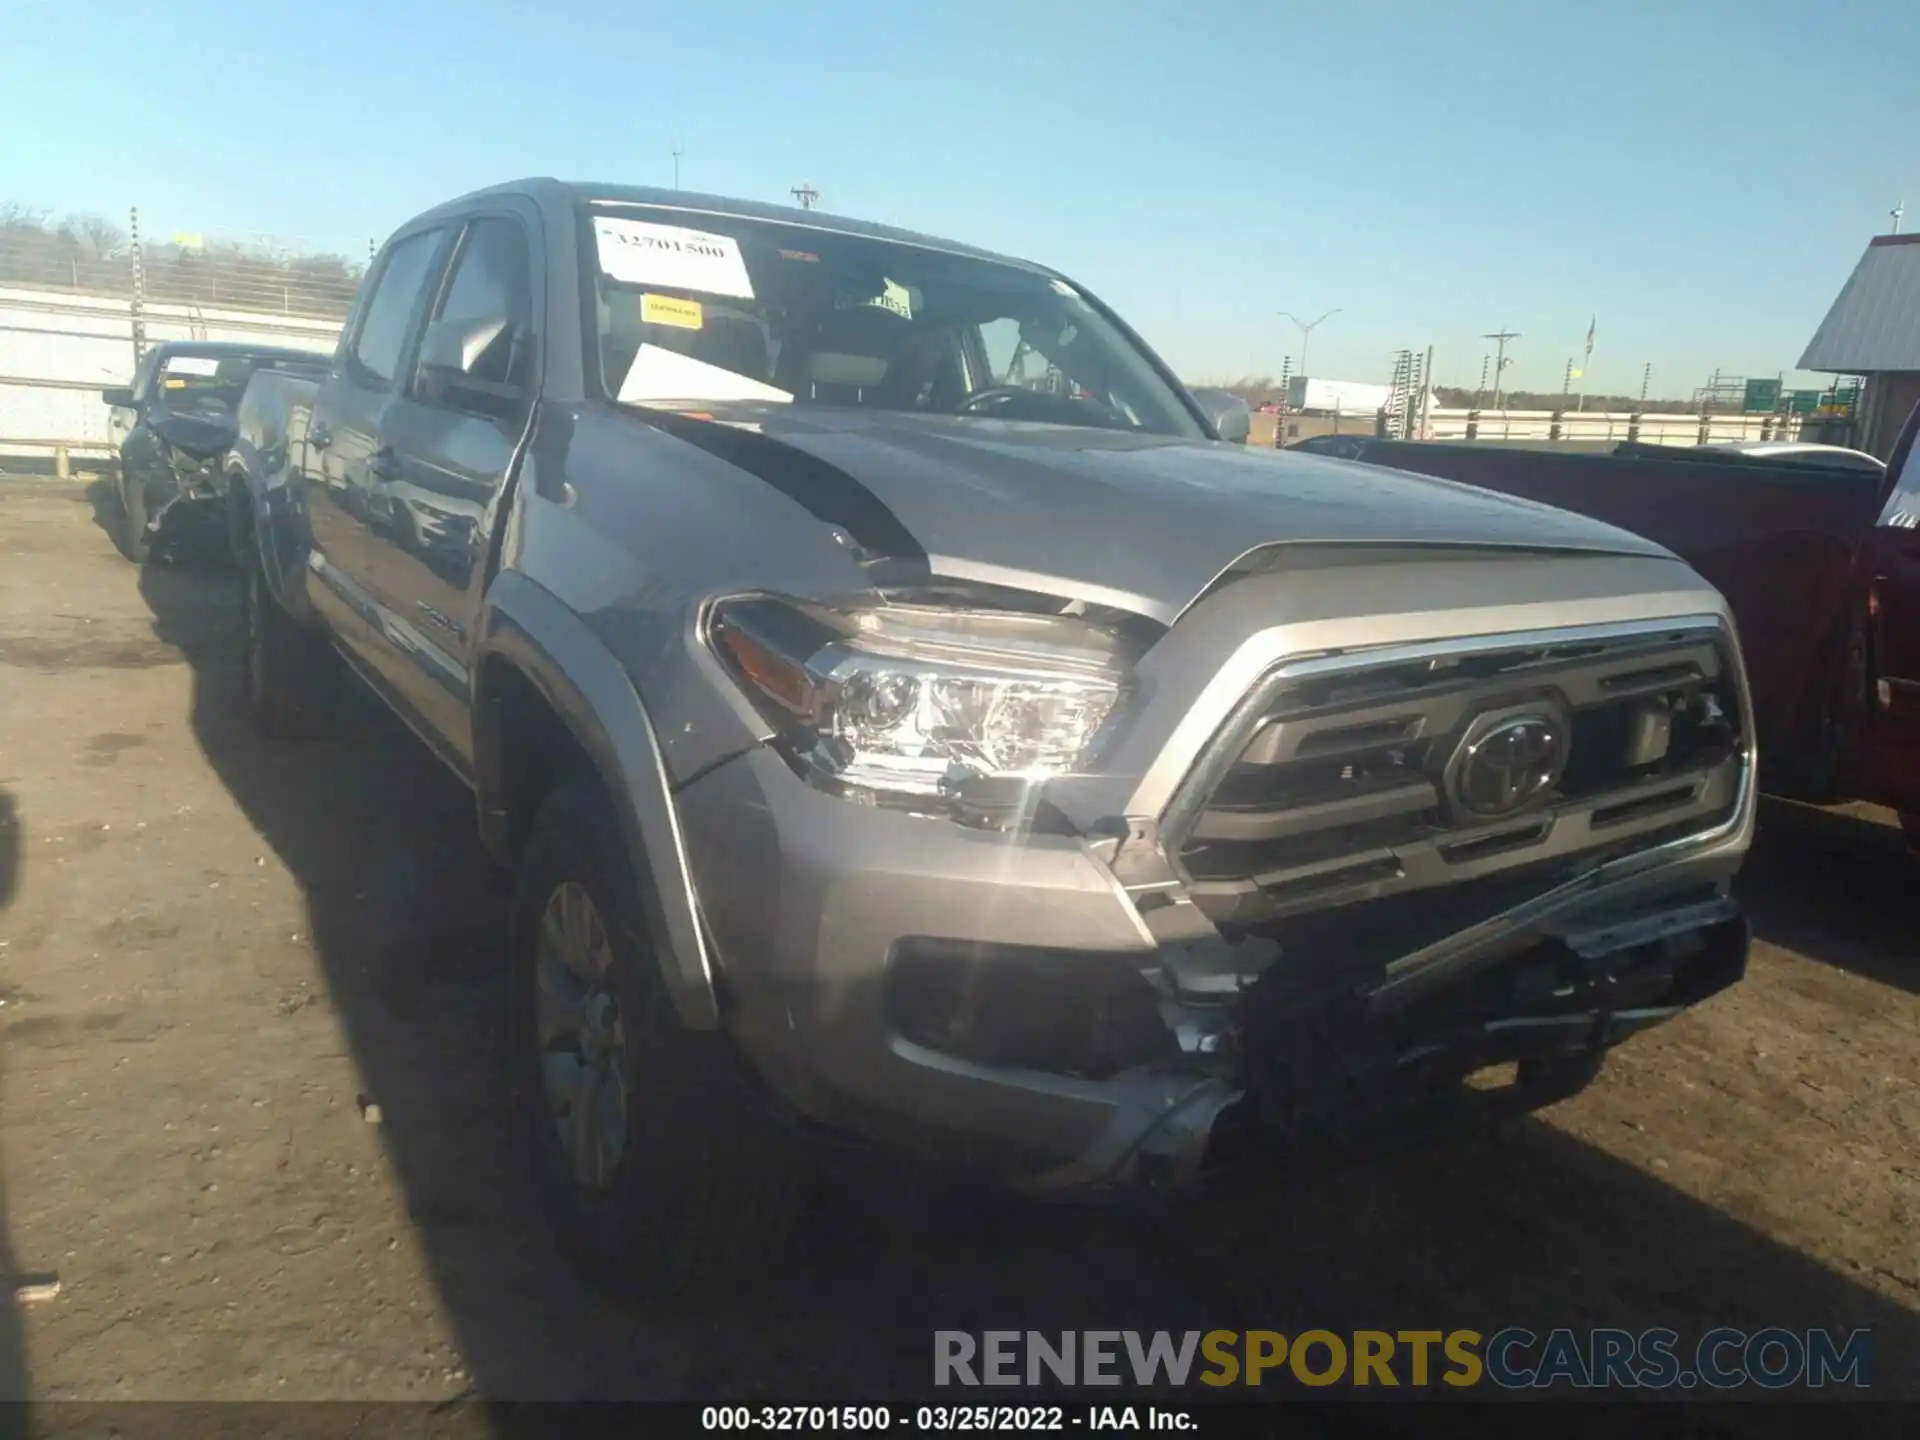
<point>999,1004</point>
<point>186,491</point>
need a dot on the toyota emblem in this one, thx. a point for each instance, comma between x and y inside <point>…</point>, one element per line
<point>1507,762</point>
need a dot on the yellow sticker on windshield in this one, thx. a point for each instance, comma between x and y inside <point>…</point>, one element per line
<point>174,384</point>
<point>665,310</point>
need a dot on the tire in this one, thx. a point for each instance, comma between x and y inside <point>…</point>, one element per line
<point>1551,1080</point>
<point>289,674</point>
<point>697,1178</point>
<point>135,543</point>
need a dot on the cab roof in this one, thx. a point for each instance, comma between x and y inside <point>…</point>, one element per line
<point>550,193</point>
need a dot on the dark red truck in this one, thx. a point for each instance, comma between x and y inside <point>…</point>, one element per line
<point>1822,570</point>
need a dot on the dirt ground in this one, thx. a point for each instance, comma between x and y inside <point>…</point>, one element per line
<point>216,954</point>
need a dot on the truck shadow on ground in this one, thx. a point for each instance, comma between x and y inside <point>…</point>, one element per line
<point>1531,1227</point>
<point>1836,887</point>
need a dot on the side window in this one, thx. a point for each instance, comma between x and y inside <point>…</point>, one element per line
<point>491,279</point>
<point>396,295</point>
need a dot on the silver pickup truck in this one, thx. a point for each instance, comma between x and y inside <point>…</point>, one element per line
<point>904,717</point>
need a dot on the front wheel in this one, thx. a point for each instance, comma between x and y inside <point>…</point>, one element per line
<point>135,543</point>
<point>289,673</point>
<point>655,1163</point>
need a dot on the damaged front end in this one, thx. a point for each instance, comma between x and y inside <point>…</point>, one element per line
<point>1382,902</point>
<point>188,488</point>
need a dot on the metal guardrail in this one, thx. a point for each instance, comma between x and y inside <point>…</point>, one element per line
<point>63,451</point>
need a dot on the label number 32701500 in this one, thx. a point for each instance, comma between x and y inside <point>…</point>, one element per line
<point>796,1417</point>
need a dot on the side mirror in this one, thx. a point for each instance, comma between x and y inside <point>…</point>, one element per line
<point>1226,412</point>
<point>118,396</point>
<point>473,357</point>
<point>1234,424</point>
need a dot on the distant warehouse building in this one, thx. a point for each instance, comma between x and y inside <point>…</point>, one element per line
<point>1873,330</point>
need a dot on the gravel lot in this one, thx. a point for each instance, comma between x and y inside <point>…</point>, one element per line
<point>215,953</point>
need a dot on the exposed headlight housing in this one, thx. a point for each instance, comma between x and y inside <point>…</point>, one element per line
<point>940,710</point>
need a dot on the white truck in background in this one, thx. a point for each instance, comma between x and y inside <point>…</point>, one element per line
<point>1345,397</point>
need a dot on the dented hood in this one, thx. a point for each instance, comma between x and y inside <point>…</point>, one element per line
<point>202,433</point>
<point>1143,521</point>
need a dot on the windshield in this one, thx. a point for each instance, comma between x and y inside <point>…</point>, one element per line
<point>216,382</point>
<point>696,309</point>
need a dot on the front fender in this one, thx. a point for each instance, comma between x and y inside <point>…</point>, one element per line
<point>523,625</point>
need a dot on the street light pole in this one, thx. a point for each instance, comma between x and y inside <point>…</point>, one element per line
<point>1306,333</point>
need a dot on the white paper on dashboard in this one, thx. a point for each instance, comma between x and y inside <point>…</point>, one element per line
<point>661,374</point>
<point>193,365</point>
<point>643,253</point>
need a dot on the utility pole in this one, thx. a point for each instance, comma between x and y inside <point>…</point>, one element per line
<point>1646,379</point>
<point>1897,212</point>
<point>1585,362</point>
<point>1500,337</point>
<point>679,149</point>
<point>139,305</point>
<point>1426,396</point>
<point>1306,333</point>
<point>1286,406</point>
<point>1481,393</point>
<point>806,195</point>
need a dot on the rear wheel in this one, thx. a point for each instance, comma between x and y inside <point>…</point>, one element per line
<point>290,674</point>
<point>651,1153</point>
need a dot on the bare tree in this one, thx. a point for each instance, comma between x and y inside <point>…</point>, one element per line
<point>99,238</point>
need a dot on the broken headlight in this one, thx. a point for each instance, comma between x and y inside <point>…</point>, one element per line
<point>926,706</point>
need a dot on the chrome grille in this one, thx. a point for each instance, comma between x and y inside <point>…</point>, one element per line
<point>1328,784</point>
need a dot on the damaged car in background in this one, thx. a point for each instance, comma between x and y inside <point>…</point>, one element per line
<point>179,423</point>
<point>1024,779</point>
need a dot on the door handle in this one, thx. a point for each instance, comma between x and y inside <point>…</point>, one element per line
<point>318,436</point>
<point>383,464</point>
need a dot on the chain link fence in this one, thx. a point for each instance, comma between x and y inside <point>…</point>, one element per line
<point>82,298</point>
<point>243,271</point>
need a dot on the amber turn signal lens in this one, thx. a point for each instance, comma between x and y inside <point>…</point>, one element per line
<point>773,674</point>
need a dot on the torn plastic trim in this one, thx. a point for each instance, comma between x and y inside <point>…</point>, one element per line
<point>1164,1122</point>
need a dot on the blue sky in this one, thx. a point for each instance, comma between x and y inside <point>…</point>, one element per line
<point>1700,176</point>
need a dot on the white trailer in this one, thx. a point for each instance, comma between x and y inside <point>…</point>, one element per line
<point>1345,397</point>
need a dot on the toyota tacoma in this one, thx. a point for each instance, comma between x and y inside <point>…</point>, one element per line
<point>905,718</point>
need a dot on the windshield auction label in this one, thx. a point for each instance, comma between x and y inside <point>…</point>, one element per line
<point>192,365</point>
<point>640,252</point>
<point>665,310</point>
